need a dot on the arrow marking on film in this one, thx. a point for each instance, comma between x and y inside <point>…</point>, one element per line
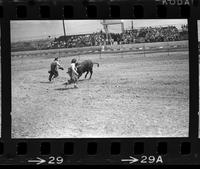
<point>131,160</point>
<point>38,161</point>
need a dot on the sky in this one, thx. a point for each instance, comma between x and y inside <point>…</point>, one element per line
<point>42,29</point>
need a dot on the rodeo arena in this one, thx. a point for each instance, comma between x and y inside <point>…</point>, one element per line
<point>130,83</point>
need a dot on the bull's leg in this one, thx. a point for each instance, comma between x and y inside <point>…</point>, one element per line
<point>86,74</point>
<point>91,74</point>
<point>79,75</point>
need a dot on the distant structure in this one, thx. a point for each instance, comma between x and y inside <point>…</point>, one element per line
<point>64,27</point>
<point>106,23</point>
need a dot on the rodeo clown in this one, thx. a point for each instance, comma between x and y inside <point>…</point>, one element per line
<point>72,71</point>
<point>53,72</point>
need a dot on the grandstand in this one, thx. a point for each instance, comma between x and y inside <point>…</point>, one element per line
<point>128,36</point>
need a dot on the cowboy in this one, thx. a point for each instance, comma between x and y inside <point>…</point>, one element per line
<point>55,65</point>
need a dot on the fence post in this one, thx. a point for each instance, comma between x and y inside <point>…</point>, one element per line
<point>100,51</point>
<point>121,51</point>
<point>168,47</point>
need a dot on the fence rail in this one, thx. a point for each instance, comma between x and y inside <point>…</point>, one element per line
<point>137,47</point>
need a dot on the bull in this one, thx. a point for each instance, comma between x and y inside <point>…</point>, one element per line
<point>82,67</point>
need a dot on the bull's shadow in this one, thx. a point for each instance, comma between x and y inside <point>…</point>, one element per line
<point>79,80</point>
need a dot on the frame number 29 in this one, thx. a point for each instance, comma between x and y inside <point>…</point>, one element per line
<point>55,160</point>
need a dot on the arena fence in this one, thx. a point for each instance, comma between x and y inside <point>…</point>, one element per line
<point>137,47</point>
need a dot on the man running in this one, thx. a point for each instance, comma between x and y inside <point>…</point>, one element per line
<point>53,72</point>
<point>72,71</point>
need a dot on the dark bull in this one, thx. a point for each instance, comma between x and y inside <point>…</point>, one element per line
<point>85,66</point>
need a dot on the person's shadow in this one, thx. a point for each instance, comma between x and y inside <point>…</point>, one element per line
<point>46,82</point>
<point>65,88</point>
<point>80,80</point>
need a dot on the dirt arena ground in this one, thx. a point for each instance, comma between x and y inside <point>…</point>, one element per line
<point>129,95</point>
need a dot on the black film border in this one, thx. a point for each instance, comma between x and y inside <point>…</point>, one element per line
<point>107,151</point>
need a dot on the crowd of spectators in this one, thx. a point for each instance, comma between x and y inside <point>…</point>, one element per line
<point>94,39</point>
<point>146,34</point>
<point>150,34</point>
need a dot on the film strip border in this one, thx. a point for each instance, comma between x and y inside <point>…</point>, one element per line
<point>94,9</point>
<point>100,151</point>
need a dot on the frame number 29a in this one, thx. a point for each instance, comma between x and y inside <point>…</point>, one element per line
<point>151,159</point>
<point>144,160</point>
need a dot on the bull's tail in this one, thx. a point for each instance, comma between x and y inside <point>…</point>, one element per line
<point>96,64</point>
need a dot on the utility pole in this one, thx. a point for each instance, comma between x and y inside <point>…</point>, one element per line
<point>132,30</point>
<point>132,25</point>
<point>100,42</point>
<point>64,27</point>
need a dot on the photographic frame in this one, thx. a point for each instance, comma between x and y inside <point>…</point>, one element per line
<point>104,145</point>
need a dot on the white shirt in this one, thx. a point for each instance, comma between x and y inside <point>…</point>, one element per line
<point>74,69</point>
